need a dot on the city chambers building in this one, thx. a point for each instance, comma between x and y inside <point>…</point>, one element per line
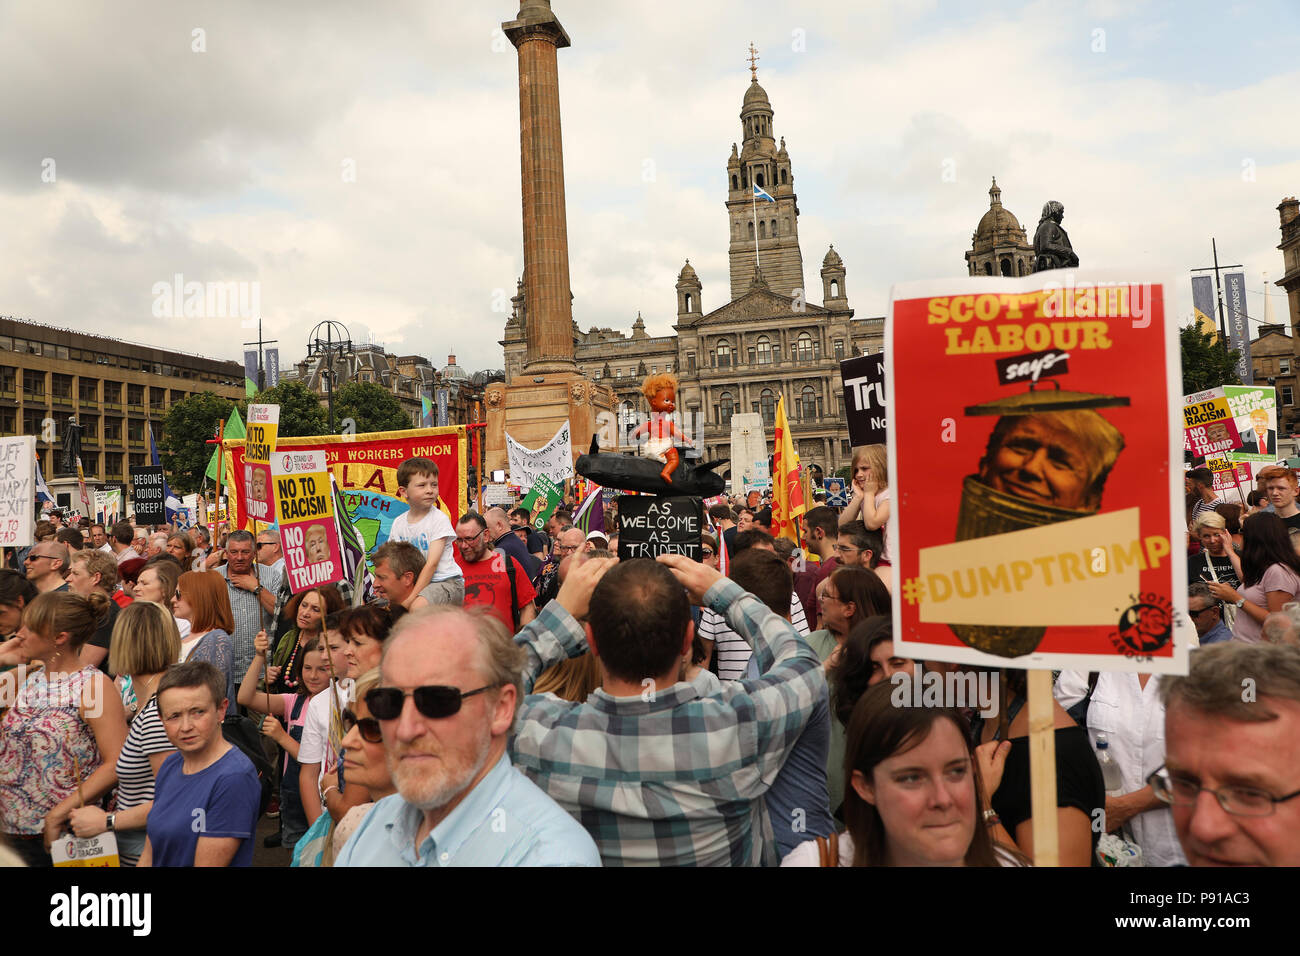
<point>767,340</point>
<point>112,388</point>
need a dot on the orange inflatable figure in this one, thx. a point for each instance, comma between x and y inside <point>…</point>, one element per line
<point>661,392</point>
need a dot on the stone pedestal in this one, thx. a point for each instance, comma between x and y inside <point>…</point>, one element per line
<point>531,411</point>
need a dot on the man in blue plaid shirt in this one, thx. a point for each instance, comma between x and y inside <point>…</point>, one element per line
<point>657,772</point>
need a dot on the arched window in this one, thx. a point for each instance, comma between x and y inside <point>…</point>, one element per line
<point>751,228</point>
<point>764,346</point>
<point>762,229</point>
<point>835,289</point>
<point>803,348</point>
<point>688,302</point>
<point>735,183</point>
<point>726,407</point>
<point>767,406</point>
<point>758,178</point>
<point>988,268</point>
<point>724,355</point>
<point>1022,267</point>
<point>783,179</point>
<point>774,228</point>
<point>744,179</point>
<point>1006,266</point>
<point>808,403</point>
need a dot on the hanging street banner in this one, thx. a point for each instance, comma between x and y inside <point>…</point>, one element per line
<point>147,498</point>
<point>444,394</point>
<point>17,490</point>
<point>554,459</point>
<point>1043,521</point>
<point>304,509</point>
<point>1254,412</point>
<point>542,501</point>
<point>271,367</point>
<point>864,398</point>
<point>365,467</point>
<point>1208,425</point>
<point>1203,305</point>
<point>262,429</point>
<point>1234,288</point>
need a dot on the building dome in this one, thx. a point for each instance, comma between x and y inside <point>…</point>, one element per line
<point>451,372</point>
<point>688,272</point>
<point>998,222</point>
<point>756,96</point>
<point>832,259</point>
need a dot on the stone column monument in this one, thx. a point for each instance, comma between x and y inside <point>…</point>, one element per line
<point>551,388</point>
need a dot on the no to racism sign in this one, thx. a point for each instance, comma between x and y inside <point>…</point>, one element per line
<point>259,444</point>
<point>305,512</point>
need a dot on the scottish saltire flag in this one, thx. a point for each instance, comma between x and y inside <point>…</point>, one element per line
<point>42,489</point>
<point>353,544</point>
<point>591,514</point>
<point>760,193</point>
<point>171,504</point>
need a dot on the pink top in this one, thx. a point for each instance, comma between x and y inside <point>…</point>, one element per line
<point>39,737</point>
<point>1277,578</point>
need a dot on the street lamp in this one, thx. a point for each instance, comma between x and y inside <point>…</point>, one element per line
<point>328,340</point>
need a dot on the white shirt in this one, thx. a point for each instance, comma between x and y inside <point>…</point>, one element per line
<point>423,534</point>
<point>733,650</point>
<point>1133,719</point>
<point>315,745</point>
<point>807,854</point>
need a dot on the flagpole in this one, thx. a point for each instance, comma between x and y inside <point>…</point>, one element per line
<point>753,202</point>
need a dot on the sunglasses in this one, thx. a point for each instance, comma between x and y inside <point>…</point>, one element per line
<point>368,727</point>
<point>434,701</point>
<point>708,552</point>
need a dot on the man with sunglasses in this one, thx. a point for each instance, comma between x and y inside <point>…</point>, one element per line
<point>47,566</point>
<point>1207,614</point>
<point>1232,758</point>
<point>445,707</point>
<point>663,771</point>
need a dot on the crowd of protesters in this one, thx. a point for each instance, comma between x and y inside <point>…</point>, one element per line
<point>519,696</point>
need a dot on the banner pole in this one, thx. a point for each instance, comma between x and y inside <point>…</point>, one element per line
<point>1042,768</point>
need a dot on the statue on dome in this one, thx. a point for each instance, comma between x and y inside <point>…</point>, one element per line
<point>1052,249</point>
<point>661,392</point>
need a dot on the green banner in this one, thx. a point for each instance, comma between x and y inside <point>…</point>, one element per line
<point>541,501</point>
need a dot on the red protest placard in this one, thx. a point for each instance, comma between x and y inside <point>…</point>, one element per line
<point>1037,517</point>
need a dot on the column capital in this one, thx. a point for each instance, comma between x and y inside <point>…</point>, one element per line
<point>535,19</point>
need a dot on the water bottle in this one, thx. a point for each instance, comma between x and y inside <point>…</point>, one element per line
<point>1109,768</point>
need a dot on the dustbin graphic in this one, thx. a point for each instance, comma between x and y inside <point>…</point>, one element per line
<point>1046,461</point>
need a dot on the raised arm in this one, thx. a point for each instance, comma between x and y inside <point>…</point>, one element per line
<point>554,634</point>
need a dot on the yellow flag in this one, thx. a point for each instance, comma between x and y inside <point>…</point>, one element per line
<point>787,491</point>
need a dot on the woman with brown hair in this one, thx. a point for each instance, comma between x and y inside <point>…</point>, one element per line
<point>915,794</point>
<point>307,609</point>
<point>180,547</point>
<point>64,732</point>
<point>848,597</point>
<point>202,599</point>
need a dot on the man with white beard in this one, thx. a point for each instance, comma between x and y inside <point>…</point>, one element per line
<point>449,688</point>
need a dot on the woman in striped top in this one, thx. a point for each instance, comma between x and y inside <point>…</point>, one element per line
<point>145,643</point>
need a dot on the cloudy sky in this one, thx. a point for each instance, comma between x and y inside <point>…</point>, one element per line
<point>360,162</point>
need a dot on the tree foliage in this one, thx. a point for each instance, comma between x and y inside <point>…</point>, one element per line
<point>182,445</point>
<point>371,406</point>
<point>1206,364</point>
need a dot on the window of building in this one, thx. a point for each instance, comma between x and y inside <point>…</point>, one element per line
<point>735,183</point>
<point>1286,395</point>
<point>762,227</point>
<point>1284,366</point>
<point>113,430</point>
<point>134,394</point>
<point>6,343</point>
<point>803,348</point>
<point>767,406</point>
<point>845,448</point>
<point>113,393</point>
<point>8,379</point>
<point>8,421</point>
<point>808,403</point>
<point>764,350</point>
<point>783,177</point>
<point>690,362</point>
<point>726,408</point>
<point>34,384</point>
<point>751,355</point>
<point>758,180</point>
<point>750,224</point>
<point>839,348</point>
<point>724,355</point>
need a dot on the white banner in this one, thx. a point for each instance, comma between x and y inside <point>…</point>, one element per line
<point>17,490</point>
<point>554,460</point>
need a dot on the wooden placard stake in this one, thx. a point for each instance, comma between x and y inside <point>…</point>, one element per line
<point>1042,768</point>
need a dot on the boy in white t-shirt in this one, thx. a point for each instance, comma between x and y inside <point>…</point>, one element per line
<point>426,527</point>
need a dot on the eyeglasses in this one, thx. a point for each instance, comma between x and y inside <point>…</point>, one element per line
<point>844,549</point>
<point>266,544</point>
<point>827,596</point>
<point>707,552</point>
<point>566,548</point>
<point>434,701</point>
<point>1212,607</point>
<point>368,727</point>
<point>1239,801</point>
<point>470,539</point>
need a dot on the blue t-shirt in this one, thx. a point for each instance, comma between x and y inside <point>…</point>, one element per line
<point>219,801</point>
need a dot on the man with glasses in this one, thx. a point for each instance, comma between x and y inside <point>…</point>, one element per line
<point>1232,764</point>
<point>494,580</point>
<point>47,566</point>
<point>449,689</point>
<point>1207,614</point>
<point>252,589</point>
<point>570,541</point>
<point>858,546</point>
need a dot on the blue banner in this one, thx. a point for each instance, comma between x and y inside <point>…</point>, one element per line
<point>271,367</point>
<point>443,395</point>
<point>1203,304</point>
<point>1238,323</point>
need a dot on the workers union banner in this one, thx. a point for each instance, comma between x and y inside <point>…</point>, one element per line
<point>365,467</point>
<point>1040,522</point>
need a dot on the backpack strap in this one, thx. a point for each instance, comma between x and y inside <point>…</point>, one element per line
<point>514,593</point>
<point>828,850</point>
